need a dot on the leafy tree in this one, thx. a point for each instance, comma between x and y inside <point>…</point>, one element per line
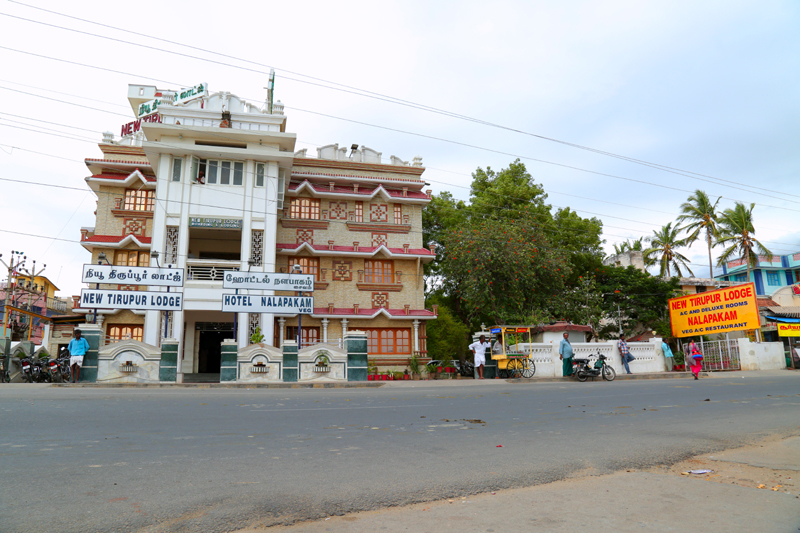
<point>509,193</point>
<point>642,299</point>
<point>736,233</point>
<point>663,250</point>
<point>579,303</point>
<point>700,215</point>
<point>447,335</point>
<point>501,271</point>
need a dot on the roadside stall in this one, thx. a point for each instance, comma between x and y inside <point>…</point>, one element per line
<point>511,350</point>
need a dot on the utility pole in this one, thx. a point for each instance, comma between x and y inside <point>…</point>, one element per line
<point>11,266</point>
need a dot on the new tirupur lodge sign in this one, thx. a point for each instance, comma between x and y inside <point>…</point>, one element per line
<point>148,111</point>
<point>133,300</point>
<point>720,311</point>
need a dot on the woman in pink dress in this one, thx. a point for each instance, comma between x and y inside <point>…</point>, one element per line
<point>696,358</point>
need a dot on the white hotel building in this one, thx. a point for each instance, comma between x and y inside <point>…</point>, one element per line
<point>213,183</point>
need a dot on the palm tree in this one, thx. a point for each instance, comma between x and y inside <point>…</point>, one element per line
<point>664,244</point>
<point>629,246</point>
<point>736,232</point>
<point>700,214</point>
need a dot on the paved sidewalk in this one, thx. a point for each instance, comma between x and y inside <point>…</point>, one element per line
<point>663,499</point>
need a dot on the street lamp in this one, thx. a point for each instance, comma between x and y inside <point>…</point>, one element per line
<point>297,269</point>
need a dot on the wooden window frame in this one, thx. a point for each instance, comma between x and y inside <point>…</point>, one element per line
<point>359,214</point>
<point>304,208</point>
<point>384,341</point>
<point>378,271</point>
<point>308,333</point>
<point>119,335</point>
<point>310,265</point>
<point>142,258</point>
<point>398,214</point>
<point>139,200</point>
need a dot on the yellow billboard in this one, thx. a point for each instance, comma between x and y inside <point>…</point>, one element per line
<point>719,311</point>
<point>788,330</point>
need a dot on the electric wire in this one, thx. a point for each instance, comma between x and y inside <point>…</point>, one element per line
<point>370,94</point>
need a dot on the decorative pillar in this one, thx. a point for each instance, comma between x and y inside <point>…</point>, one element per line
<point>168,369</point>
<point>282,332</point>
<point>355,344</point>
<point>92,333</point>
<point>291,369</point>
<point>344,326</point>
<point>227,364</point>
<point>416,335</point>
<point>325,330</point>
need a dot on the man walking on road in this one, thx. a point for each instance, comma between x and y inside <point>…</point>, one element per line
<point>77,348</point>
<point>565,354</point>
<point>479,351</point>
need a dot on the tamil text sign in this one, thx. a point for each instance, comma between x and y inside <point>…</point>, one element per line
<point>134,300</point>
<point>288,305</point>
<point>266,281</point>
<point>788,330</point>
<point>720,311</point>
<point>125,275</point>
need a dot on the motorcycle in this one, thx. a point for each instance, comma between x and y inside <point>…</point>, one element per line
<point>39,370</point>
<point>27,371</point>
<point>59,368</point>
<point>600,368</point>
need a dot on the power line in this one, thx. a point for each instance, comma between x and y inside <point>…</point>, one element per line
<point>365,93</point>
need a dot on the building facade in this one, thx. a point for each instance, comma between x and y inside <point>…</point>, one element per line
<point>778,278</point>
<point>211,184</point>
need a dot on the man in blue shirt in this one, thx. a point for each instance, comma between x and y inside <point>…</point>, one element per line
<point>565,354</point>
<point>77,348</point>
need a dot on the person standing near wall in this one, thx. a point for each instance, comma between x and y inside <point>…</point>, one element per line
<point>625,353</point>
<point>668,356</point>
<point>565,354</point>
<point>77,348</point>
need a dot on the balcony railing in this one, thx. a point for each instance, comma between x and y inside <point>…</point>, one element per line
<point>57,304</point>
<point>209,270</point>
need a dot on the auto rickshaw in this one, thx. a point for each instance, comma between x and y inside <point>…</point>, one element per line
<point>512,351</point>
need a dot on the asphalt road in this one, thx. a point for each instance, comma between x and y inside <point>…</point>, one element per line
<point>187,459</point>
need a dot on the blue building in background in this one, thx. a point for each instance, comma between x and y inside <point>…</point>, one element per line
<point>769,276</point>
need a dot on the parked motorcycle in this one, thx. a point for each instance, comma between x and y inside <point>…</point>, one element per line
<point>27,370</point>
<point>600,368</point>
<point>40,370</point>
<point>59,368</point>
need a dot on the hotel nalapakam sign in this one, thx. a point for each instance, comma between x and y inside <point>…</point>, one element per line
<point>720,311</point>
<point>788,330</point>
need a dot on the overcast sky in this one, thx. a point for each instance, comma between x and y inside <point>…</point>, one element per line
<point>706,87</point>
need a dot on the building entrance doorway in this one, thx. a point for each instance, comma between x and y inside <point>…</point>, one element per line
<point>209,350</point>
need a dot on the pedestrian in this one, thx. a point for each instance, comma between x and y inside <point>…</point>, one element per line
<point>565,354</point>
<point>77,348</point>
<point>697,358</point>
<point>497,349</point>
<point>625,353</point>
<point>668,357</point>
<point>479,352</point>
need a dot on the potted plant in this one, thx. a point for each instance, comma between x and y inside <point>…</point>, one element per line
<point>447,364</point>
<point>257,337</point>
<point>372,368</point>
<point>414,367</point>
<point>679,361</point>
<point>399,376</point>
<point>406,375</point>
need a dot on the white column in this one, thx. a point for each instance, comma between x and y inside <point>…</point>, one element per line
<point>177,333</point>
<point>325,330</point>
<point>344,327</point>
<point>282,332</point>
<point>243,327</point>
<point>416,335</point>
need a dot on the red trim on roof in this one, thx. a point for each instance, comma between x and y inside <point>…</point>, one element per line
<point>361,249</point>
<point>343,189</point>
<point>116,161</point>
<point>348,311</point>
<point>351,176</point>
<point>120,177</point>
<point>563,326</point>
<point>116,238</point>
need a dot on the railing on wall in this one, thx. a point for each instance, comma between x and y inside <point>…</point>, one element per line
<point>209,270</point>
